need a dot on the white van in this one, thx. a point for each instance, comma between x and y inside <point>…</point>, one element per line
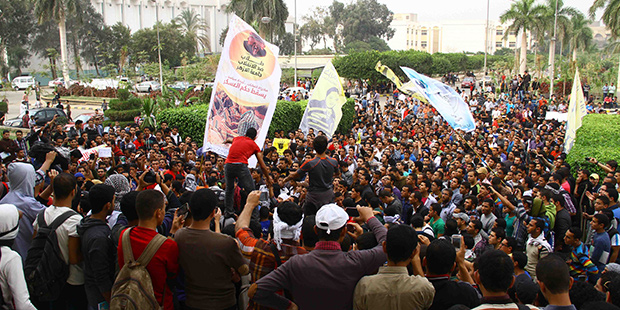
<point>23,82</point>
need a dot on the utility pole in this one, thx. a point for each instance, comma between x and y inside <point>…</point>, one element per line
<point>295,36</point>
<point>161,75</point>
<point>552,52</point>
<point>486,41</point>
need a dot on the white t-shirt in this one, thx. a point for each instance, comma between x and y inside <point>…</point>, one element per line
<point>12,281</point>
<point>66,230</point>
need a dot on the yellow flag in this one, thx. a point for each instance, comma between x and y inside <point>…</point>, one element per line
<point>324,108</point>
<point>408,88</point>
<point>576,111</point>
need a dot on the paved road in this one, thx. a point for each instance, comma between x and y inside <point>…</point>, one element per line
<point>15,98</point>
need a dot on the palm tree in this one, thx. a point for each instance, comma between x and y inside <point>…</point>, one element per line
<point>195,26</point>
<point>254,10</point>
<point>610,14</point>
<point>525,16</point>
<point>581,34</point>
<point>58,10</point>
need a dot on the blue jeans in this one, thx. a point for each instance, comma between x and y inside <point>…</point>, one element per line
<point>240,173</point>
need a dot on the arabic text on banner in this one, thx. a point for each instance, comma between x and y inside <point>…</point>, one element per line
<point>324,108</point>
<point>245,90</point>
<point>445,99</point>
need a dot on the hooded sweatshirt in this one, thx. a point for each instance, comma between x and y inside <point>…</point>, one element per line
<point>99,258</point>
<point>21,181</point>
<point>12,281</point>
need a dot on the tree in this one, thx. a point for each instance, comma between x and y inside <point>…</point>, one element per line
<point>254,10</point>
<point>525,15</point>
<point>363,21</point>
<point>15,26</point>
<point>58,10</point>
<point>373,43</point>
<point>174,44</point>
<point>194,26</point>
<point>315,28</point>
<point>581,34</point>
<point>114,39</point>
<point>610,14</point>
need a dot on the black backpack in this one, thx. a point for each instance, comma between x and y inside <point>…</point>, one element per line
<point>45,270</point>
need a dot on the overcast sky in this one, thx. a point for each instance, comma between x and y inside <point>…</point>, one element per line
<point>437,10</point>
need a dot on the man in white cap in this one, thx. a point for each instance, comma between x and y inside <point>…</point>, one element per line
<point>327,271</point>
<point>12,281</point>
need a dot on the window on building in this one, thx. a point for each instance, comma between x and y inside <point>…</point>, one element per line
<point>424,44</point>
<point>512,33</point>
<point>512,44</point>
<point>499,32</point>
<point>407,42</point>
<point>498,44</point>
<point>424,32</point>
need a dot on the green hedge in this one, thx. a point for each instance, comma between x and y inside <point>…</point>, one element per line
<point>130,104</point>
<point>287,116</point>
<point>122,115</point>
<point>598,137</point>
<point>190,120</point>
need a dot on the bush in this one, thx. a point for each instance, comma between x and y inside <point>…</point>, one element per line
<point>598,137</point>
<point>122,115</point>
<point>82,91</point>
<point>4,106</point>
<point>123,94</point>
<point>190,120</point>
<point>287,116</point>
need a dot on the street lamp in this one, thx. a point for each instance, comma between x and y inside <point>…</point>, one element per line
<point>161,75</point>
<point>266,20</point>
<point>552,51</point>
<point>295,36</point>
<point>486,40</point>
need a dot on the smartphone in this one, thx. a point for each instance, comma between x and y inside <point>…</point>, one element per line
<point>352,212</point>
<point>456,241</point>
<point>183,210</point>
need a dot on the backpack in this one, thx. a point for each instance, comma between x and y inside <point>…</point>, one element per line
<point>45,269</point>
<point>133,288</point>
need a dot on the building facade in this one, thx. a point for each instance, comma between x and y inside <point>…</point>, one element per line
<point>139,14</point>
<point>450,36</point>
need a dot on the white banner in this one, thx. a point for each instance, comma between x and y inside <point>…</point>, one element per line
<point>443,98</point>
<point>576,111</point>
<point>245,90</point>
<point>324,109</point>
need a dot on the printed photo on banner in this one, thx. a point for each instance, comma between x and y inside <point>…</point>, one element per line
<point>246,88</point>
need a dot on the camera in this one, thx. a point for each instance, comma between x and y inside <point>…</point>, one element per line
<point>150,177</point>
<point>588,158</point>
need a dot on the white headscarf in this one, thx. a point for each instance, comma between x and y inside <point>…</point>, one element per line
<point>282,230</point>
<point>9,220</point>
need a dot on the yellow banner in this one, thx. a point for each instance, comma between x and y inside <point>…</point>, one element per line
<point>324,108</point>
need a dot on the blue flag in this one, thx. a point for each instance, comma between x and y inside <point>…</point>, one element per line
<point>444,99</point>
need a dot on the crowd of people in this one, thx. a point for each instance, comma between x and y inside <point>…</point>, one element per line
<point>400,212</point>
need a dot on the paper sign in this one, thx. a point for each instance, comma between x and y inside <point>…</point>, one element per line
<point>105,152</point>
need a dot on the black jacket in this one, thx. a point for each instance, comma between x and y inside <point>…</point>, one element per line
<point>99,258</point>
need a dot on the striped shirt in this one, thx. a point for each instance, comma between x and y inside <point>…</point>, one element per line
<point>580,263</point>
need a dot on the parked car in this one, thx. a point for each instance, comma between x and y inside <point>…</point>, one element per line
<point>60,82</point>
<point>101,84</point>
<point>42,116</point>
<point>467,82</point>
<point>148,86</point>
<point>22,82</point>
<point>181,85</point>
<point>84,118</point>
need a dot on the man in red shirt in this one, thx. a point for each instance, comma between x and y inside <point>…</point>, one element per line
<point>151,209</point>
<point>236,168</point>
